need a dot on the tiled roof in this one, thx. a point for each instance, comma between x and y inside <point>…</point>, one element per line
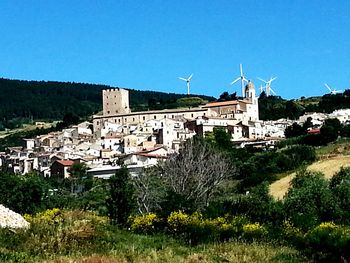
<point>65,162</point>
<point>221,103</point>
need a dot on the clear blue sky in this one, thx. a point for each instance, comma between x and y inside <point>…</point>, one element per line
<point>148,44</point>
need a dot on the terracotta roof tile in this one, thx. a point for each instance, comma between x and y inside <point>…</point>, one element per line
<point>221,103</point>
<point>65,162</point>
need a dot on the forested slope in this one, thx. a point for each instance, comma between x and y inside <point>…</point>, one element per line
<point>52,100</point>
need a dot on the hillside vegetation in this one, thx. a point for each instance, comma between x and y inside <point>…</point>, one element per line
<point>22,101</point>
<point>331,158</point>
<point>275,107</point>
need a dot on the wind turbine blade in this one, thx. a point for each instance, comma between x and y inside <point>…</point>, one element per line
<point>272,91</point>
<point>272,79</point>
<point>328,87</point>
<point>237,79</point>
<point>262,80</point>
<point>190,77</point>
<point>241,69</point>
<point>183,79</point>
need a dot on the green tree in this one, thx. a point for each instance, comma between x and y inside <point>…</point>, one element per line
<point>80,180</point>
<point>294,130</point>
<point>330,130</point>
<point>121,200</point>
<point>309,201</point>
<point>340,187</point>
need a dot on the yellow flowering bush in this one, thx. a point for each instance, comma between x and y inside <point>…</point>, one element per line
<point>177,221</point>
<point>252,231</point>
<point>144,223</point>
<point>326,239</point>
<point>47,216</point>
<point>292,233</point>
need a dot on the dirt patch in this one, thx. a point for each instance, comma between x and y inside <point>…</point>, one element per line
<point>328,167</point>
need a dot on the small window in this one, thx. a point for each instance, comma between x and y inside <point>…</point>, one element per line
<point>155,117</point>
<point>144,117</point>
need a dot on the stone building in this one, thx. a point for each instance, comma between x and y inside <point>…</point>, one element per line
<point>115,101</point>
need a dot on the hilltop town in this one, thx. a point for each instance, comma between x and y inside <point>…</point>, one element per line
<point>141,139</point>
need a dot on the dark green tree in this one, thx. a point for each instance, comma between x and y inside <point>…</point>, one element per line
<point>121,201</point>
<point>294,130</point>
<point>330,130</point>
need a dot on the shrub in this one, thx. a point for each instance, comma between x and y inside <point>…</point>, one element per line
<point>254,231</point>
<point>47,216</point>
<point>309,201</point>
<point>145,224</point>
<point>195,229</point>
<point>328,242</point>
<point>292,234</point>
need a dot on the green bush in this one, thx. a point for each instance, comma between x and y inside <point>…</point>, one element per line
<point>310,201</point>
<point>254,231</point>
<point>328,242</point>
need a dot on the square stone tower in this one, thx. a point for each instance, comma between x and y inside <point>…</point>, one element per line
<point>115,101</point>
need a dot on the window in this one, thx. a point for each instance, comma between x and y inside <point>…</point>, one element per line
<point>155,117</point>
<point>144,117</point>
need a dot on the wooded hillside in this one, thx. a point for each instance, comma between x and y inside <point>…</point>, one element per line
<point>52,100</point>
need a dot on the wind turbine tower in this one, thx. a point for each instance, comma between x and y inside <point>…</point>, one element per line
<point>242,78</point>
<point>188,80</point>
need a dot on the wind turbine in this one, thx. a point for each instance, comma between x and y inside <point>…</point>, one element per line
<point>262,88</point>
<point>188,80</point>
<point>333,91</point>
<point>242,78</point>
<point>268,88</point>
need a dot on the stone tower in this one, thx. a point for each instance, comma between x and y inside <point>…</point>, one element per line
<point>253,106</point>
<point>115,101</point>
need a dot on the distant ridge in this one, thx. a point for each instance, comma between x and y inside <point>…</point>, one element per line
<point>53,99</point>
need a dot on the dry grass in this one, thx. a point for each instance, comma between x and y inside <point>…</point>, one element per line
<point>328,167</point>
<point>224,252</point>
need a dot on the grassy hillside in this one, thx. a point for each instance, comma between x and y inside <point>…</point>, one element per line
<point>331,158</point>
